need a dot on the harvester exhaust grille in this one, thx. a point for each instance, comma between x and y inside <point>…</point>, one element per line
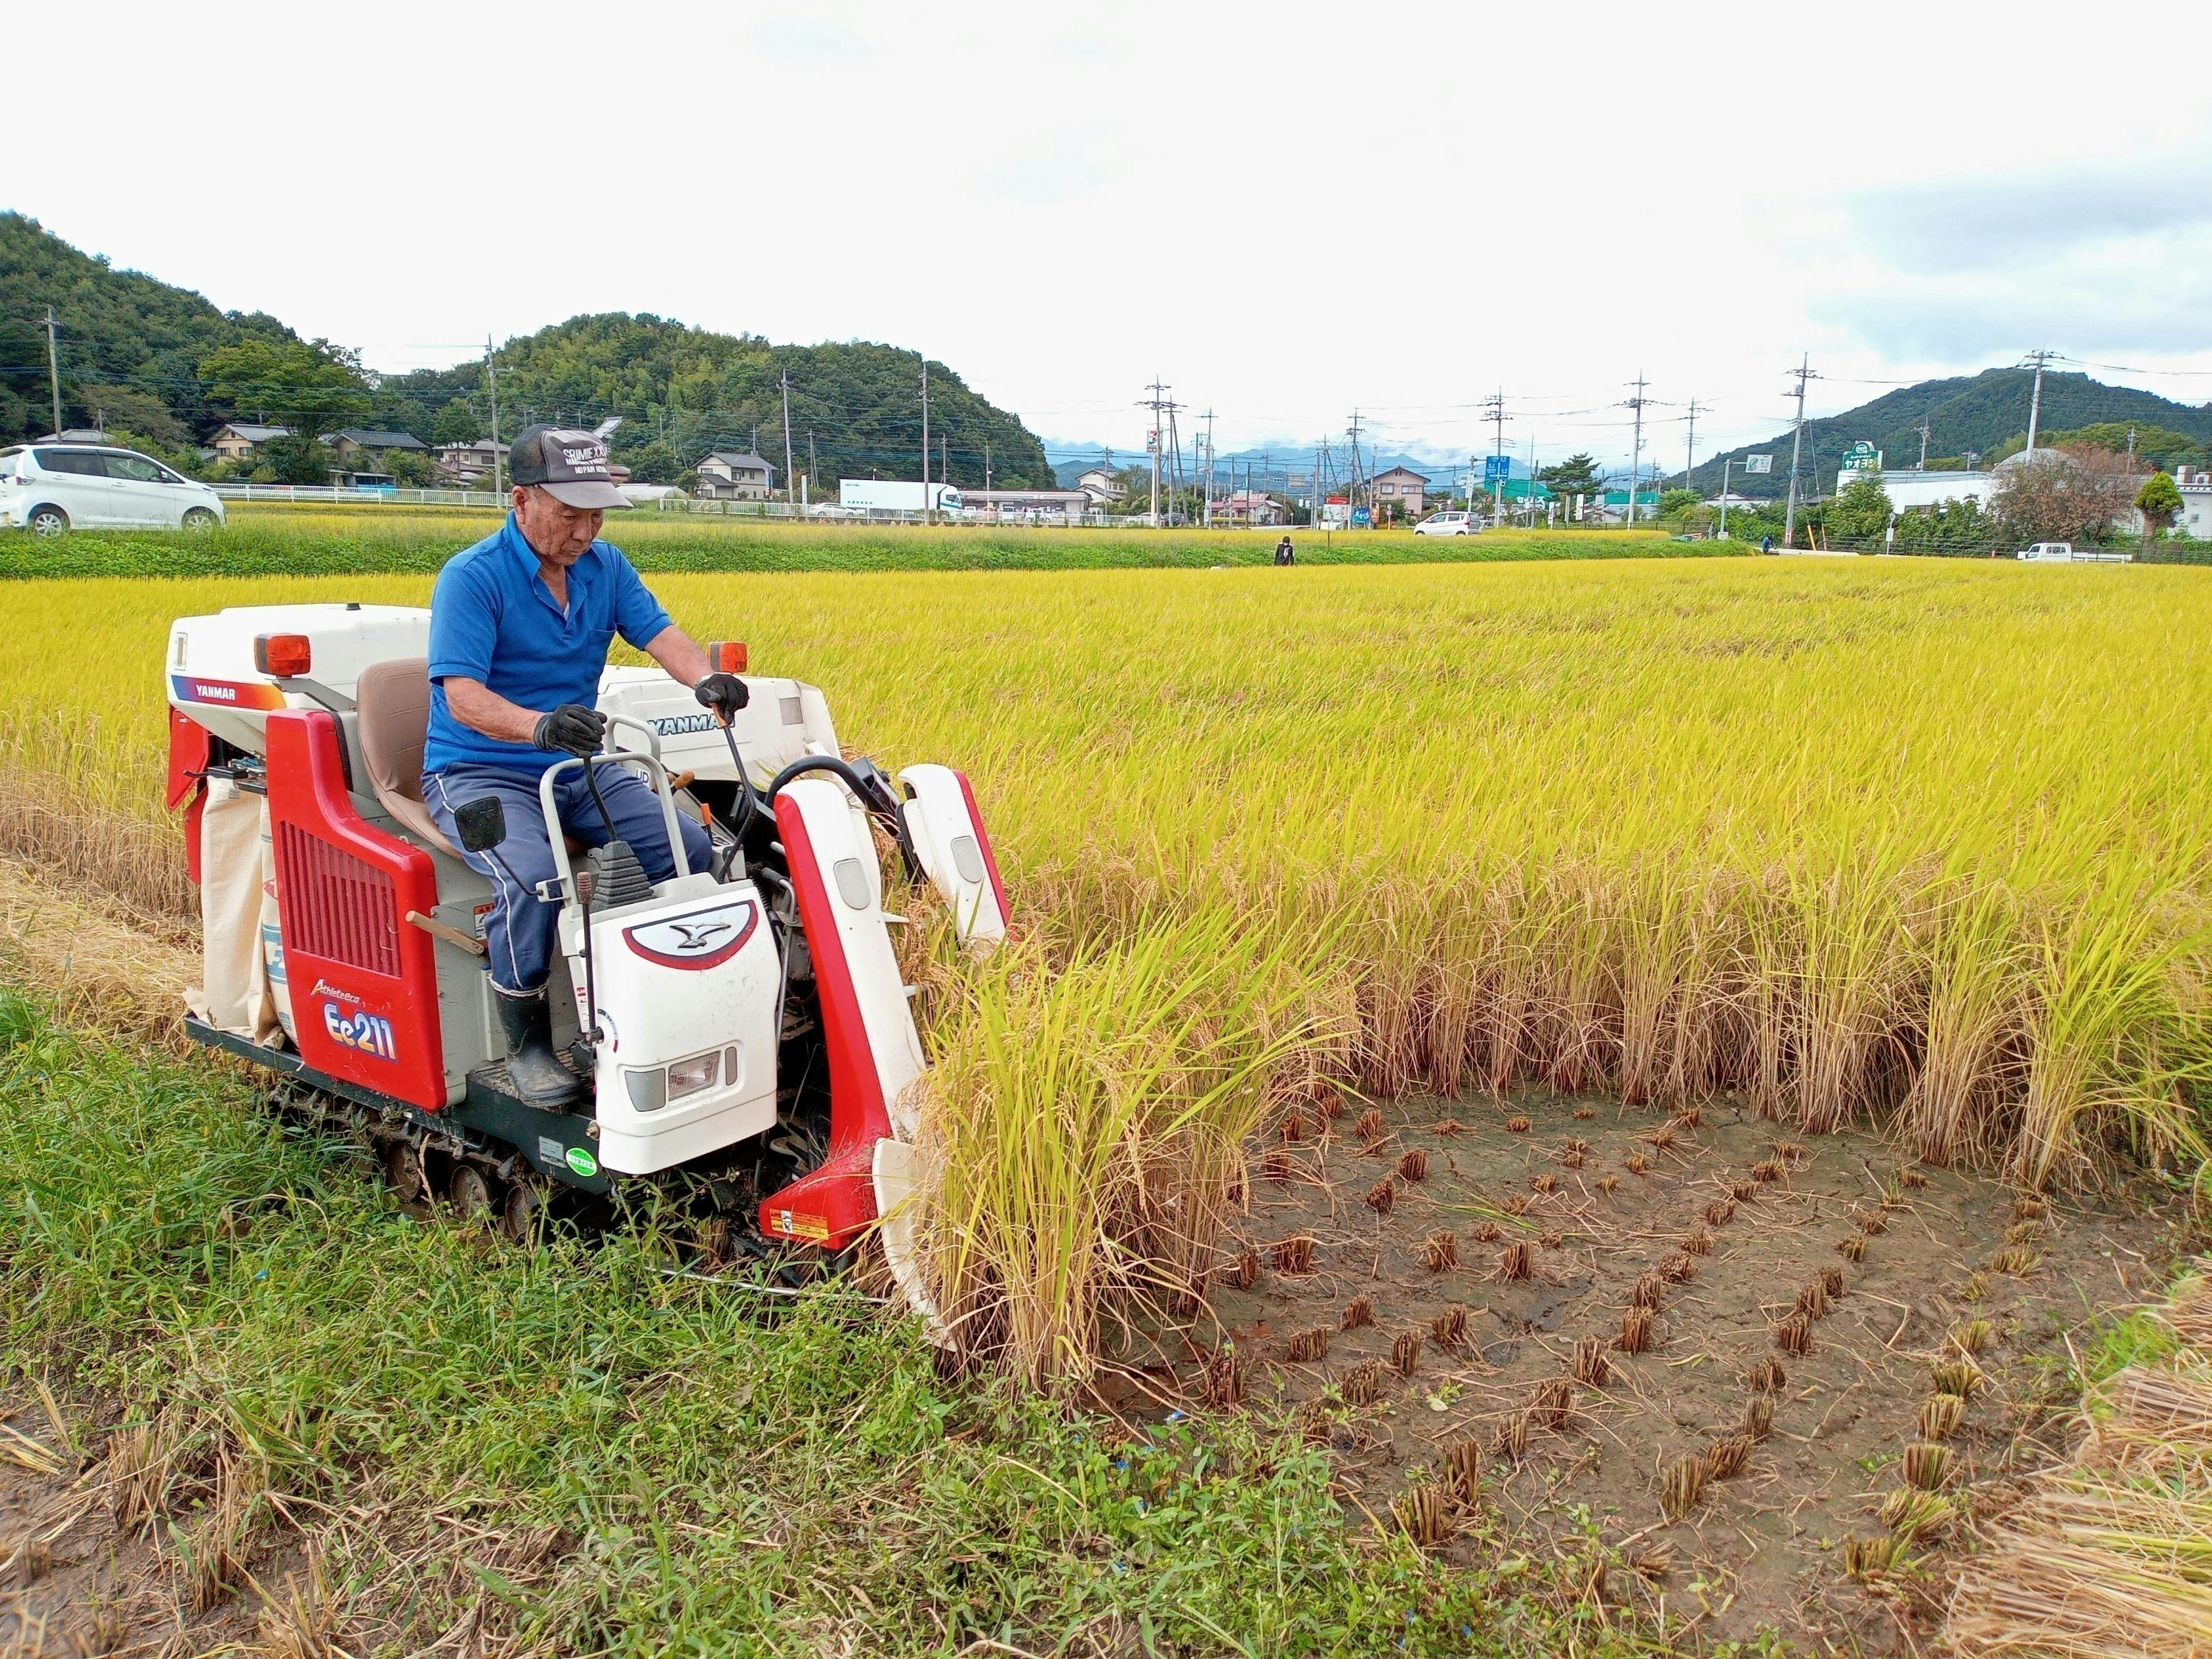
<point>334,905</point>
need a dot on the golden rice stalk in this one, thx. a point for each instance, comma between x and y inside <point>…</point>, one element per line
<point>1958,1376</point>
<point>1363,1382</point>
<point>1813,1300</point>
<point>1698,1242</point>
<point>1574,1144</point>
<point>1832,1281</point>
<point>1916,1179</point>
<point>1726,1457</point>
<point>1488,1232</point>
<point>1720,1213</point>
<point>1406,1352</point>
<point>1871,1221</point>
<point>1550,1238</point>
<point>1369,1124</point>
<point>1359,1313</point>
<point>1448,1330</point>
<point>1636,1331</point>
<point>1448,1127</point>
<point>1382,1195</point>
<point>2024,1233</point>
<point>1306,1348</point>
<point>1766,1376</point>
<point>2015,1260</point>
<point>1511,1438</point>
<point>1758,1416</point>
<point>1940,1414</point>
<point>1275,1164</point>
<point>1892,1199</point>
<point>1552,1405</point>
<point>1314,1422</point>
<point>1292,1128</point>
<point>1515,1261</point>
<point>1589,1364</point>
<point>1676,1266</point>
<point>1222,1380</point>
<point>1853,1248</point>
<point>1518,1126</point>
<point>1974,1337</point>
<point>1583,1113</point>
<point>1517,1203</point>
<point>1927,1465</point>
<point>1572,1160</point>
<point>1743,1189</point>
<point>1293,1255</point>
<point>1790,1152</point>
<point>1648,1291</point>
<point>1913,1515</point>
<point>1681,1486</point>
<point>1414,1165</point>
<point>1607,1183</point>
<point>1661,1137</point>
<point>1635,1163</point>
<point>1653,1563</point>
<point>2028,1208</point>
<point>1687,1118</point>
<point>1544,1181</point>
<point>1976,1287</point>
<point>1439,1252</point>
<point>1766,1170</point>
<point>1423,1515</point>
<point>1329,1099</point>
<point>1794,1334</point>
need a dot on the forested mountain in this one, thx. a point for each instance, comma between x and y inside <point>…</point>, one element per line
<point>682,392</point>
<point>1985,414</point>
<point>142,356</point>
<point>130,347</point>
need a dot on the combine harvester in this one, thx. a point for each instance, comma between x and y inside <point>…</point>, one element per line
<point>741,1031</point>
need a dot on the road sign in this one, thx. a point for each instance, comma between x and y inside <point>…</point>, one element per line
<point>1758,463</point>
<point>1496,469</point>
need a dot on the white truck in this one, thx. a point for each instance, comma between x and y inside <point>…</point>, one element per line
<point>2067,553</point>
<point>873,495</point>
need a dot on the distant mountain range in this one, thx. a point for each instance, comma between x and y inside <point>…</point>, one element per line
<point>1983,415</point>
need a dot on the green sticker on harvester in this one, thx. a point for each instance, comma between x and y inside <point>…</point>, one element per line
<point>583,1163</point>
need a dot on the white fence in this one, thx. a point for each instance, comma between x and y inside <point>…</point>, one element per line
<point>816,513</point>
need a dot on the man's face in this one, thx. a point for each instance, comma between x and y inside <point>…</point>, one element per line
<point>557,533</point>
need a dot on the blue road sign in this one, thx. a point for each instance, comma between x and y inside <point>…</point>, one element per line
<point>1496,469</point>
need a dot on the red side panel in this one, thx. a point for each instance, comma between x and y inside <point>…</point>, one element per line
<point>832,1205</point>
<point>188,758</point>
<point>983,839</point>
<point>364,983</point>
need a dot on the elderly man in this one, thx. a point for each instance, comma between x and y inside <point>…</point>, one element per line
<point>519,628</point>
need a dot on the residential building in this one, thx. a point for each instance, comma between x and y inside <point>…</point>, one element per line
<point>362,449</point>
<point>1100,484</point>
<point>2195,518</point>
<point>1401,490</point>
<point>467,465</point>
<point>236,441</point>
<point>1248,507</point>
<point>1003,505</point>
<point>730,475</point>
<point>1908,490</point>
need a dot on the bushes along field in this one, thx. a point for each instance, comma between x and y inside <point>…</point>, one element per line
<point>1926,843</point>
<point>353,541</point>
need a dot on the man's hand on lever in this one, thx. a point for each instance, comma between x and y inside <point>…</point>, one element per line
<point>571,728</point>
<point>723,694</point>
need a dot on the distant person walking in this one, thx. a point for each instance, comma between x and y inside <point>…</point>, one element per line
<point>1284,553</point>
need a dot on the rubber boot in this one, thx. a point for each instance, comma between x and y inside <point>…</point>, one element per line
<point>536,1071</point>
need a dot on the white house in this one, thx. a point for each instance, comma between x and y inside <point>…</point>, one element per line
<point>235,440</point>
<point>2195,518</point>
<point>729,476</point>
<point>1907,491</point>
<point>465,464</point>
<point>1100,484</point>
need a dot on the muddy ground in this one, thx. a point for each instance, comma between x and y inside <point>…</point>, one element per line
<point>1603,1196</point>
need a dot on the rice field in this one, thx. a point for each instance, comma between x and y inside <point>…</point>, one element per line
<point>1914,850</point>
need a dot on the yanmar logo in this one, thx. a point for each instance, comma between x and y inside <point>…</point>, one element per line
<point>676,726</point>
<point>207,693</point>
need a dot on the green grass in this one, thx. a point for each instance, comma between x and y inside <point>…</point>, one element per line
<point>716,1480</point>
<point>264,540</point>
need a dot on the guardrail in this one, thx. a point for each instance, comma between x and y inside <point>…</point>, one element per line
<point>366,495</point>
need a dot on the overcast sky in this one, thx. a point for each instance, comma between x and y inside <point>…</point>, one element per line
<point>1284,211</point>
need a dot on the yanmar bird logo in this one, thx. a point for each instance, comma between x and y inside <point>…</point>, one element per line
<point>695,939</point>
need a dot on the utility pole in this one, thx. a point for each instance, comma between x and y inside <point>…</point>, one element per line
<point>1804,373</point>
<point>1208,418</point>
<point>1159,404</point>
<point>1313,516</point>
<point>790,487</point>
<point>2131,447</point>
<point>1636,455</point>
<point>986,466</point>
<point>1725,464</point>
<point>926,517</point>
<point>54,370</point>
<point>2035,399</point>
<point>1352,432</point>
<point>498,454</point>
<point>1689,458</point>
<point>1923,444</point>
<point>1493,411</point>
<point>810,470</point>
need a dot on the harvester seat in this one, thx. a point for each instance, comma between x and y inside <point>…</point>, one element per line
<point>393,700</point>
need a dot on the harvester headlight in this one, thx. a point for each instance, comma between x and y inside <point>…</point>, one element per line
<point>688,1077</point>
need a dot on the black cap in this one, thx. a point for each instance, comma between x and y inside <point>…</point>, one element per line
<point>571,466</point>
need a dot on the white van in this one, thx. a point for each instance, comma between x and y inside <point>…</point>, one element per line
<point>48,488</point>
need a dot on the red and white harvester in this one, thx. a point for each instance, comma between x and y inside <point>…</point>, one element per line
<point>742,1032</point>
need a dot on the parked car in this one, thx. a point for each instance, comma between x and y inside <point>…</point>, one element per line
<point>49,489</point>
<point>1449,524</point>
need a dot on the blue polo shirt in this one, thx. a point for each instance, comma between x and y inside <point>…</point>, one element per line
<point>494,620</point>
